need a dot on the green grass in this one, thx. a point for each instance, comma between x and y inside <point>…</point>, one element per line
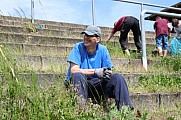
<point>46,100</point>
<point>27,99</point>
<point>160,83</point>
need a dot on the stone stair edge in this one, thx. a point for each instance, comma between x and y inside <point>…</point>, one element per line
<point>55,22</point>
<point>67,57</point>
<point>69,28</point>
<point>37,35</point>
<point>52,46</point>
<point>147,32</point>
<point>57,37</point>
<point>131,78</point>
<point>50,23</point>
<point>13,18</point>
<point>44,63</point>
<point>42,49</point>
<point>45,45</point>
<point>58,33</point>
<point>58,75</point>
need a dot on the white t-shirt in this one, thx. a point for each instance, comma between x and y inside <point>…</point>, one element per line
<point>178,29</point>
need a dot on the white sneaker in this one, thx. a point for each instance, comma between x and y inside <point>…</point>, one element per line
<point>127,52</point>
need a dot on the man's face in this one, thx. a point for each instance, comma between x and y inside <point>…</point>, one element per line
<point>90,40</point>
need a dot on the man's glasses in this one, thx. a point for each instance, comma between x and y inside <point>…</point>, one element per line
<point>89,38</point>
<point>90,35</point>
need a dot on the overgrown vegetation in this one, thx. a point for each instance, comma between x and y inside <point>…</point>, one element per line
<point>160,83</point>
<point>30,99</point>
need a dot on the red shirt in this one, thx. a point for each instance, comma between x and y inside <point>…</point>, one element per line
<point>161,27</point>
<point>118,25</point>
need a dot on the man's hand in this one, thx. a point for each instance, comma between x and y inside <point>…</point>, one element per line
<point>104,73</point>
<point>99,72</point>
<point>107,73</point>
<point>107,41</point>
<point>109,37</point>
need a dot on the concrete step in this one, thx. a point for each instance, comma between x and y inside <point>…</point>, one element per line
<point>7,25</point>
<point>51,50</point>
<point>59,63</point>
<point>156,101</point>
<point>131,78</point>
<point>66,27</point>
<point>64,32</point>
<point>56,31</point>
<point>8,37</point>
<point>47,77</point>
<point>16,21</point>
<point>19,21</point>
<point>141,101</point>
<point>39,31</point>
<point>34,49</point>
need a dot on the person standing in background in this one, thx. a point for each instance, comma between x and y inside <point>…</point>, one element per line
<point>162,31</point>
<point>124,25</point>
<point>177,26</point>
<point>175,44</point>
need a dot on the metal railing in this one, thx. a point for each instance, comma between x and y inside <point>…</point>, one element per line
<point>143,12</point>
<point>93,17</point>
<point>32,12</point>
<point>148,4</point>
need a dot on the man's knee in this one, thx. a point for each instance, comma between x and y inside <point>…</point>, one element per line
<point>77,77</point>
<point>77,74</point>
<point>117,75</point>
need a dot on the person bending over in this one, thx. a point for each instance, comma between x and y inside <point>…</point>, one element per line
<point>124,25</point>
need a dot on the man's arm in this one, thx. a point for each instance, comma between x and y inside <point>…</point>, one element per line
<point>75,68</point>
<point>109,37</point>
<point>99,72</point>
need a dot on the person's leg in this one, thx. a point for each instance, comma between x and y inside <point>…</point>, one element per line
<point>165,45</point>
<point>137,34</point>
<point>95,90</point>
<point>80,88</point>
<point>117,88</point>
<point>87,88</point>
<point>124,33</point>
<point>159,44</point>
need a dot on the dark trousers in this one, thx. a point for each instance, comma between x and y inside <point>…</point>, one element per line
<point>98,89</point>
<point>130,23</point>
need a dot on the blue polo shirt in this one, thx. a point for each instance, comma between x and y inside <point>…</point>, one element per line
<point>82,58</point>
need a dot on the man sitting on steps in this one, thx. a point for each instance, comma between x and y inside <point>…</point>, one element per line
<point>90,72</point>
